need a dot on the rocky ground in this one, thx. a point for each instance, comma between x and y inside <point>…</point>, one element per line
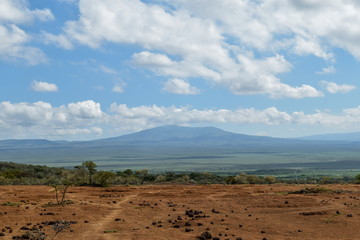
<point>272,212</point>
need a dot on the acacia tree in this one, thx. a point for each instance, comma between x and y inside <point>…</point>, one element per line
<point>91,167</point>
<point>142,174</point>
<point>104,178</point>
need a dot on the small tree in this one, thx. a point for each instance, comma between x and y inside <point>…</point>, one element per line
<point>357,179</point>
<point>160,178</point>
<point>270,179</point>
<point>253,179</point>
<point>142,174</point>
<point>241,179</point>
<point>59,226</point>
<point>104,178</point>
<point>80,175</point>
<point>91,167</point>
<point>60,192</point>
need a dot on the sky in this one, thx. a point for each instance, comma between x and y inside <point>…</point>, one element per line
<point>88,69</point>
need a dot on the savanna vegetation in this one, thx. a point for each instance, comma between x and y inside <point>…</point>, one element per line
<point>87,174</point>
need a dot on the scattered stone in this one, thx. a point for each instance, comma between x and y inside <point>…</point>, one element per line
<point>313,213</point>
<point>214,211</point>
<point>205,235</point>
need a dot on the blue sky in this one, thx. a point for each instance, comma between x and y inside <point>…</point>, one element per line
<point>91,69</point>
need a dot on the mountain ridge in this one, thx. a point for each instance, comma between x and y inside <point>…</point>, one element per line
<point>348,137</point>
<point>175,132</point>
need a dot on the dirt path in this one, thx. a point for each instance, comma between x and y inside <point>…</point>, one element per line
<point>96,230</point>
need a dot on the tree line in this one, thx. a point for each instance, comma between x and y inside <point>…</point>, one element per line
<point>87,174</point>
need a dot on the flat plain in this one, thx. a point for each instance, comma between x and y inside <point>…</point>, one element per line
<point>271,212</point>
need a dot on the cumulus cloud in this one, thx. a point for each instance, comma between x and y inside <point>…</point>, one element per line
<point>12,46</point>
<point>16,11</point>
<point>179,86</point>
<point>44,87</point>
<point>41,119</point>
<point>13,39</point>
<point>149,116</point>
<point>333,87</point>
<point>192,39</point>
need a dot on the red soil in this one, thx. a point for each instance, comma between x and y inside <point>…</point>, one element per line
<point>151,212</point>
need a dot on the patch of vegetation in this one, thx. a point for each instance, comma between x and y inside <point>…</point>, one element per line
<point>110,231</point>
<point>65,202</point>
<point>10,204</point>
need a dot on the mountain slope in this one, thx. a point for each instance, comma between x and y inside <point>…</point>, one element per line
<point>348,137</point>
<point>176,133</point>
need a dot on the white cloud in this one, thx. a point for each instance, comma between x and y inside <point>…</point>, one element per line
<point>118,88</point>
<point>152,60</point>
<point>143,117</point>
<point>12,46</point>
<point>108,70</point>
<point>179,86</point>
<point>86,119</point>
<point>44,87</point>
<point>58,40</point>
<point>13,40</point>
<point>41,119</point>
<point>327,70</point>
<point>78,131</point>
<point>333,87</point>
<point>191,41</point>
<point>16,11</point>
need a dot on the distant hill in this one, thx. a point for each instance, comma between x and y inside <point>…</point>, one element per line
<point>173,133</point>
<point>348,137</point>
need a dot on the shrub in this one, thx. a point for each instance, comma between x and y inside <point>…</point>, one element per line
<point>357,179</point>
<point>104,179</point>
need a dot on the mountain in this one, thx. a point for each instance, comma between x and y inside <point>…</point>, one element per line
<point>171,148</point>
<point>173,133</point>
<point>348,137</point>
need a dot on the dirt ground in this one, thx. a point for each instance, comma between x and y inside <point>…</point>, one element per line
<point>183,212</point>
